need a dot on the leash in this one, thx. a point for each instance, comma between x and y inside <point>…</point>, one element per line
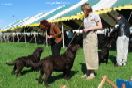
<point>75,35</point>
<point>130,16</point>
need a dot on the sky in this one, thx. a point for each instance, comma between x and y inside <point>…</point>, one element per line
<point>13,10</point>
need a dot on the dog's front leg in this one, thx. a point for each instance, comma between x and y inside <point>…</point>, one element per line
<point>18,73</point>
<point>67,74</point>
<point>18,70</point>
<point>45,79</point>
<point>67,77</point>
<point>40,79</point>
<point>13,71</point>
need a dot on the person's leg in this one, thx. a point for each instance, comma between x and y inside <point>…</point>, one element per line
<point>88,72</point>
<point>52,43</point>
<point>56,49</point>
<point>93,57</point>
<point>93,54</point>
<point>91,72</point>
<point>119,46</point>
<point>52,49</point>
<point>125,49</point>
<point>91,75</point>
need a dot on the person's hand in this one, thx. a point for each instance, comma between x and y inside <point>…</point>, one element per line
<point>116,26</point>
<point>49,36</point>
<point>86,30</point>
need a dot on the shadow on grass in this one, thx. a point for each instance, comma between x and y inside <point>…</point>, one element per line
<point>83,67</point>
<point>58,77</point>
<point>112,59</point>
<point>53,78</point>
<point>26,71</point>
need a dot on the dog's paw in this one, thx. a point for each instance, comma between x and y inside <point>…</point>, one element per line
<point>67,77</point>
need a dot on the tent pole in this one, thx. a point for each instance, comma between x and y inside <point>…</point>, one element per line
<point>63,35</point>
<point>46,38</point>
<point>25,36</point>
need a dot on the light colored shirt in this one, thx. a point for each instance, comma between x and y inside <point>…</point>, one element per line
<point>91,20</point>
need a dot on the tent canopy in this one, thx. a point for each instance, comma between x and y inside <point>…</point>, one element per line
<point>73,12</point>
<point>102,6</point>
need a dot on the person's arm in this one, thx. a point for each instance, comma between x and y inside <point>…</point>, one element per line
<point>116,27</point>
<point>57,31</point>
<point>98,26</point>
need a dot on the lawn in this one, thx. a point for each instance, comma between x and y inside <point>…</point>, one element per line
<point>10,51</point>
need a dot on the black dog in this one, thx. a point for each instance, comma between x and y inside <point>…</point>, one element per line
<point>113,35</point>
<point>26,61</point>
<point>62,63</point>
<point>104,54</point>
<point>109,39</point>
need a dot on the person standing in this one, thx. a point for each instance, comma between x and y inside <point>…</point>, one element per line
<point>92,22</point>
<point>70,36</point>
<point>122,42</point>
<point>54,36</point>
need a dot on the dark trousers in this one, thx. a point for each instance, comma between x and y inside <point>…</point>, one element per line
<point>55,48</point>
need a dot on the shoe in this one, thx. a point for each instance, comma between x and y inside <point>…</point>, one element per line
<point>92,76</point>
<point>116,65</point>
<point>84,76</point>
<point>124,64</point>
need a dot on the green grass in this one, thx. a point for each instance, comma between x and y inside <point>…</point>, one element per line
<point>10,51</point>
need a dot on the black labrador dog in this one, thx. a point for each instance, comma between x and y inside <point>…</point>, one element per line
<point>26,61</point>
<point>109,39</point>
<point>62,63</point>
<point>104,54</point>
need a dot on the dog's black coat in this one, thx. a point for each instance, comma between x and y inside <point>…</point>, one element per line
<point>109,39</point>
<point>103,55</point>
<point>26,61</point>
<point>62,63</point>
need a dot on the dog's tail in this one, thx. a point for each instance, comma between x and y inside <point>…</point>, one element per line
<point>10,63</point>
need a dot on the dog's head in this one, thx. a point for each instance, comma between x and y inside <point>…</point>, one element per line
<point>73,47</point>
<point>39,49</point>
<point>70,54</point>
<point>38,52</point>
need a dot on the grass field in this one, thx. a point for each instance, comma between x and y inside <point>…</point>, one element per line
<point>10,51</point>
